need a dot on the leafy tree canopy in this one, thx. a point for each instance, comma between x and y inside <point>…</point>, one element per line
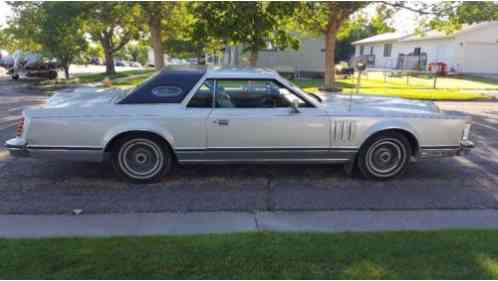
<point>253,25</point>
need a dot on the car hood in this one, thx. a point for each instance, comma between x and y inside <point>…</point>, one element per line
<point>379,105</point>
<point>84,97</point>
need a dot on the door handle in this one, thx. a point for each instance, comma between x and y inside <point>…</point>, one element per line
<point>221,122</point>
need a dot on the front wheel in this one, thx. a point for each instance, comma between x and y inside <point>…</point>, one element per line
<point>384,156</point>
<point>141,159</point>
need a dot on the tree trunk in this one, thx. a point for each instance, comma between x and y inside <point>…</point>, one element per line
<point>330,41</point>
<point>253,58</point>
<point>109,62</point>
<point>66,71</point>
<point>155,31</point>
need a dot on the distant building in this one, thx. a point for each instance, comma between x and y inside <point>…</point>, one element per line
<point>150,57</point>
<point>309,59</point>
<point>472,49</point>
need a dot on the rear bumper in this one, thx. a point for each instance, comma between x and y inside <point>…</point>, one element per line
<point>17,147</point>
<point>446,151</point>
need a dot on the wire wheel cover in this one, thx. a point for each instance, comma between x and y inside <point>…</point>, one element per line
<point>141,158</point>
<point>386,157</point>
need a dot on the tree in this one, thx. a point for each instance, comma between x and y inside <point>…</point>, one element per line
<point>457,14</point>
<point>50,27</point>
<point>18,34</point>
<point>190,38</point>
<point>60,33</point>
<point>254,25</point>
<point>360,27</point>
<point>155,13</point>
<point>327,18</point>
<point>113,25</point>
<point>134,51</point>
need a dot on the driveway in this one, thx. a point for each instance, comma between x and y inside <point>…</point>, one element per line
<point>30,186</point>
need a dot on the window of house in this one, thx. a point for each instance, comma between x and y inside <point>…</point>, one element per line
<point>417,51</point>
<point>362,50</point>
<point>254,94</point>
<point>388,49</point>
<point>203,98</point>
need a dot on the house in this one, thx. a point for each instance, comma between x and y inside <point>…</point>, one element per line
<point>150,57</point>
<point>308,60</point>
<point>472,49</point>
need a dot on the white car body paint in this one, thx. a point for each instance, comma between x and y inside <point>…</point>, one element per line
<point>79,125</point>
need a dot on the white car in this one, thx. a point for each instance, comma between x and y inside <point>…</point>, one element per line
<point>235,115</point>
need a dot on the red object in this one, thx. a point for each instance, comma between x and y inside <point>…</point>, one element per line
<point>440,68</point>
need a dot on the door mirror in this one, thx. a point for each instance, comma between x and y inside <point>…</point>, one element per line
<point>295,106</point>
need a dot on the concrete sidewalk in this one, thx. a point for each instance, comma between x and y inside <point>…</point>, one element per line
<point>21,226</point>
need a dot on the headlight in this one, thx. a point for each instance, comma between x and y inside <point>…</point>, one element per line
<point>466,131</point>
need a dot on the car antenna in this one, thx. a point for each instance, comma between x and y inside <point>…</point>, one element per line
<point>359,66</point>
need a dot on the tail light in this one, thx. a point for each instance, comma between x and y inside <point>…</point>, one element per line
<point>20,127</point>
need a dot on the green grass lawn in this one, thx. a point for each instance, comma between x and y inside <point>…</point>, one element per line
<point>392,255</point>
<point>417,87</point>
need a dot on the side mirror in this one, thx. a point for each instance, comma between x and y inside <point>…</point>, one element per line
<point>295,106</point>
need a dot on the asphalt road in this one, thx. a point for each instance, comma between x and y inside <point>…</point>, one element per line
<point>30,186</point>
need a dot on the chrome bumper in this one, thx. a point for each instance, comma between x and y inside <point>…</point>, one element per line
<point>465,147</point>
<point>17,147</point>
<point>445,151</point>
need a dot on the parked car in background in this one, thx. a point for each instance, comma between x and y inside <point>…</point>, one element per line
<point>120,63</point>
<point>135,64</point>
<point>236,115</point>
<point>30,64</point>
<point>95,61</point>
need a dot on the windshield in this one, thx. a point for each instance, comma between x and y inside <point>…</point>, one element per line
<point>297,89</point>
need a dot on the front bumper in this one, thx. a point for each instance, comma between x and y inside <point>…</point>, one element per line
<point>437,152</point>
<point>465,147</point>
<point>17,147</point>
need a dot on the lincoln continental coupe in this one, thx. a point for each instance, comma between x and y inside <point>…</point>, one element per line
<point>187,115</point>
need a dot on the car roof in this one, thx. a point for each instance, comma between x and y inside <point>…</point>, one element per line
<point>240,72</point>
<point>217,72</point>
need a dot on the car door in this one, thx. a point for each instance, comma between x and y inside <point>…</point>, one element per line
<point>253,120</point>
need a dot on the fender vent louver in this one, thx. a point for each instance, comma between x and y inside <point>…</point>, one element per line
<point>343,130</point>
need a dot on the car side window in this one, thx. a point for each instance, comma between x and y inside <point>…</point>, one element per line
<point>167,91</point>
<point>254,94</point>
<point>203,98</point>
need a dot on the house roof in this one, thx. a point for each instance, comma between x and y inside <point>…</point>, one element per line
<point>391,36</point>
<point>435,34</point>
<point>427,35</point>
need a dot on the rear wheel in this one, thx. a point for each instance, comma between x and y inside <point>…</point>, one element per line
<point>141,159</point>
<point>384,156</point>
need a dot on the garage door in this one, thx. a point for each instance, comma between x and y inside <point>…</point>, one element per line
<point>480,58</point>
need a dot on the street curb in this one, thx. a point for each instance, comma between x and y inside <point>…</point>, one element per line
<point>140,224</point>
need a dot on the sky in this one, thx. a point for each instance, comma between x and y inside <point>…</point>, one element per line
<point>403,21</point>
<point>4,12</point>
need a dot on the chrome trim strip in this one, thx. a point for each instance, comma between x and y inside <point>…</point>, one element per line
<point>40,147</point>
<point>339,160</point>
<point>441,147</point>
<point>265,149</point>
